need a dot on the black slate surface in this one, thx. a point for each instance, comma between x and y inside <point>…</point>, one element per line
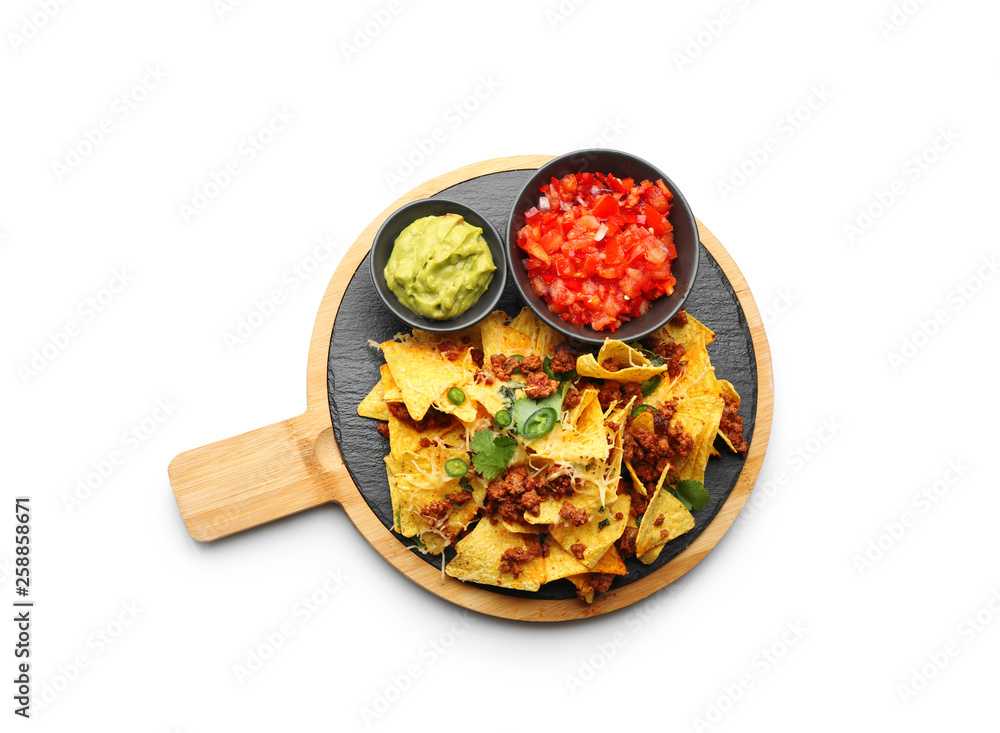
<point>354,369</point>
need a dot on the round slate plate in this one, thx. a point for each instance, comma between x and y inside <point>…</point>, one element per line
<point>354,369</point>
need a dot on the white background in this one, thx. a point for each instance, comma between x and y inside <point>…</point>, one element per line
<point>883,339</point>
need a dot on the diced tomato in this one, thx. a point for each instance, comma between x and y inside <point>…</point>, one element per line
<point>656,254</point>
<point>552,241</point>
<point>654,219</point>
<point>591,261</point>
<point>605,207</point>
<point>561,295</point>
<point>599,282</point>
<point>611,272</point>
<point>535,250</point>
<point>613,251</point>
<point>657,200</point>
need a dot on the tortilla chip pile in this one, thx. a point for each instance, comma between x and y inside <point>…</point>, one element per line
<point>587,504</point>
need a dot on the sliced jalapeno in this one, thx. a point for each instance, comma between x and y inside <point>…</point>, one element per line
<point>540,423</point>
<point>503,418</point>
<point>456,468</point>
<point>650,385</point>
<point>641,409</point>
<point>457,396</point>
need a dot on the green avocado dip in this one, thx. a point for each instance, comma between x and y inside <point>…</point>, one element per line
<point>439,266</point>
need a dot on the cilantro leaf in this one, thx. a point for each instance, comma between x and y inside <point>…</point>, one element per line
<point>693,494</point>
<point>491,455</point>
<point>525,407</point>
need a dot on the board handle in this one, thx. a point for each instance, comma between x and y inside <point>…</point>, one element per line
<point>257,477</point>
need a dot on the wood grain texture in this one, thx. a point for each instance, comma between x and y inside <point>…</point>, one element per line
<point>281,469</point>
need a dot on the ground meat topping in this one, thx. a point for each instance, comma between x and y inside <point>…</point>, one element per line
<point>649,452</point>
<point>449,349</point>
<point>571,399</point>
<point>578,549</point>
<point>383,428</point>
<point>477,357</point>
<point>560,484</point>
<point>595,583</point>
<point>459,497</point>
<point>732,425</point>
<point>513,493</point>
<point>609,393</point>
<point>531,363</point>
<point>436,511</point>
<point>573,514</point>
<point>433,418</point>
<point>513,560</point>
<point>539,385</point>
<point>610,365</point>
<point>659,521</point>
<point>564,360</point>
<point>626,543</point>
<point>681,319</point>
<point>504,366</point>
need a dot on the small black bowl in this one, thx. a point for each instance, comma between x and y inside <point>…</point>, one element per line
<point>382,246</point>
<point>622,165</point>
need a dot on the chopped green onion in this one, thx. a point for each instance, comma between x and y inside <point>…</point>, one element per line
<point>456,468</point>
<point>456,396</point>
<point>503,418</point>
<point>650,385</point>
<point>540,423</point>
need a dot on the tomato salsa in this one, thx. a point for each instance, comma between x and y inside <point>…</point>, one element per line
<point>599,247</point>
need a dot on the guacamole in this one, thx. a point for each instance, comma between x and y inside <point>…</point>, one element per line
<point>440,266</point>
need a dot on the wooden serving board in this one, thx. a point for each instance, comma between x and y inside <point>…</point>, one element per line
<point>296,464</point>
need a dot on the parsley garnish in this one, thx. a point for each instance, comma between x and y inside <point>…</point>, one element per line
<point>491,455</point>
<point>603,523</point>
<point>692,494</point>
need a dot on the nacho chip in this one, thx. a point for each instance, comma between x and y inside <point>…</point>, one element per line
<point>586,440</point>
<point>501,339</point>
<point>374,404</point>
<point>586,497</point>
<point>664,519</point>
<point>543,338</point>
<point>404,438</point>
<point>727,390</point>
<point>699,416</point>
<point>600,532</point>
<point>480,555</point>
<point>610,564</point>
<point>633,366</point>
<point>422,375</point>
<point>572,416</point>
<point>559,563</point>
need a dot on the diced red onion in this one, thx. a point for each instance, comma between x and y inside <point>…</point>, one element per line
<point>601,231</point>
<point>641,219</point>
<point>579,200</point>
<point>543,203</point>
